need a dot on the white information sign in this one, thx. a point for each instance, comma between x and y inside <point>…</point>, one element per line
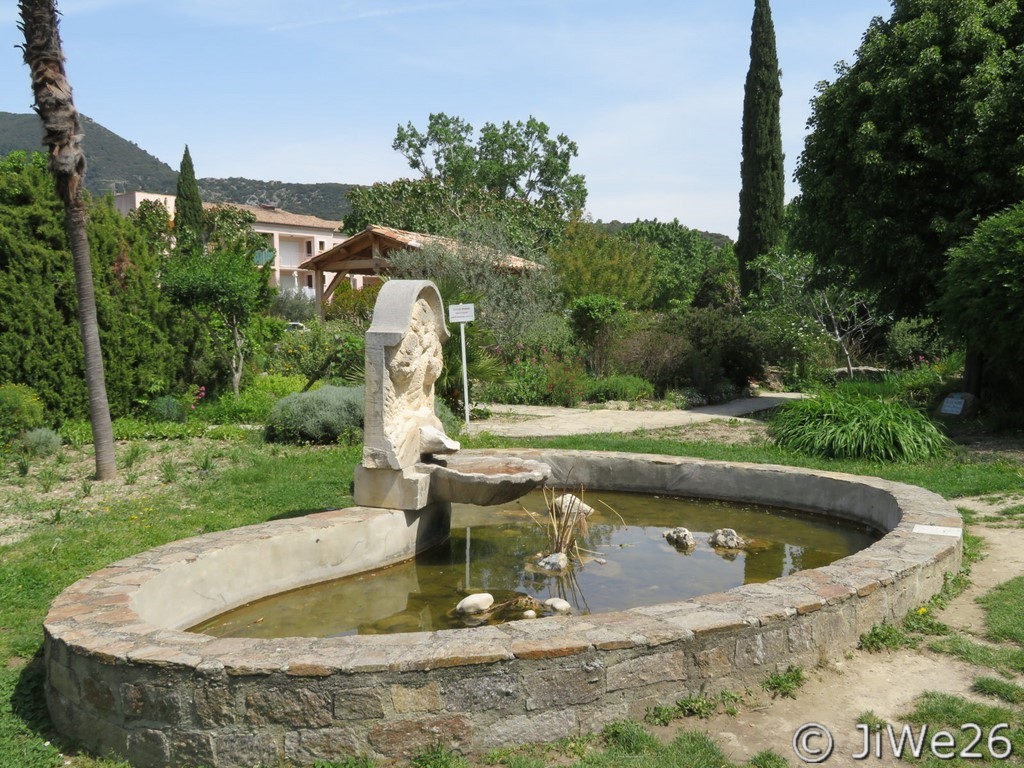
<point>953,405</point>
<point>461,313</point>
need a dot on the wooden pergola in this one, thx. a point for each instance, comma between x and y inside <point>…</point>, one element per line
<point>366,253</point>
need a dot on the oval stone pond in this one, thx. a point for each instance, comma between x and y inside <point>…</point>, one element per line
<point>626,563</point>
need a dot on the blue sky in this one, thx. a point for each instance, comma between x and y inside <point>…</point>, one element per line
<point>313,90</point>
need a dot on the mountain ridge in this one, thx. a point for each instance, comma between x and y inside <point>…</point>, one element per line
<point>115,164</point>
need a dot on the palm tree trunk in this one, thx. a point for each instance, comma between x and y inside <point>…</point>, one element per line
<point>53,103</point>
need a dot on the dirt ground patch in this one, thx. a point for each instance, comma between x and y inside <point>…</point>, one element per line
<point>887,683</point>
<point>718,431</point>
<point>63,484</point>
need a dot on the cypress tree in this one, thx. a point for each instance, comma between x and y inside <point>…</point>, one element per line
<point>188,208</point>
<point>762,178</point>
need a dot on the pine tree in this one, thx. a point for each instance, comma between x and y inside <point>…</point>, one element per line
<point>762,177</point>
<point>188,208</point>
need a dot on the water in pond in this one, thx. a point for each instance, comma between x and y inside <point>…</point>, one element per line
<point>490,547</point>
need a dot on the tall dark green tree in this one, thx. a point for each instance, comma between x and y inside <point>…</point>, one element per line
<point>188,208</point>
<point>762,177</point>
<point>39,345</point>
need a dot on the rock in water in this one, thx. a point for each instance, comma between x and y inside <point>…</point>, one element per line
<point>529,614</point>
<point>727,538</point>
<point>556,562</point>
<point>558,605</point>
<point>477,603</point>
<point>680,538</point>
<point>567,504</point>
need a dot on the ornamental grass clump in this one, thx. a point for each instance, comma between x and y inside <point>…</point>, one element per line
<point>853,427</point>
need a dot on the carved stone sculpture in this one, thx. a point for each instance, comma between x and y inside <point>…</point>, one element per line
<point>402,437</point>
<point>403,361</point>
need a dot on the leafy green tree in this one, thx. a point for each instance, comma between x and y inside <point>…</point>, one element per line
<point>510,305</point>
<point>763,180</point>
<point>588,261</point>
<point>983,296</point>
<point>794,302</point>
<point>912,144</point>
<point>517,160</point>
<point>188,208</point>
<point>515,176</point>
<point>682,256</point>
<point>223,284</point>
<point>45,57</point>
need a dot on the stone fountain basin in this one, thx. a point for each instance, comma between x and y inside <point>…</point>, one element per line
<point>484,480</point>
<point>125,677</point>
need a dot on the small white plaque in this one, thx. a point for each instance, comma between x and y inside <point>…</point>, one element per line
<point>938,530</point>
<point>461,313</point>
<point>953,405</point>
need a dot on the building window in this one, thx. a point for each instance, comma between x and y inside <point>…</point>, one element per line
<point>309,247</point>
<point>322,245</point>
<point>309,281</point>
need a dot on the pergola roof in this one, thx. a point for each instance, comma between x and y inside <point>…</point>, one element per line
<point>365,253</point>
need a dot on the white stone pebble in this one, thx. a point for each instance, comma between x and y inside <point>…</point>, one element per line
<point>477,603</point>
<point>558,605</point>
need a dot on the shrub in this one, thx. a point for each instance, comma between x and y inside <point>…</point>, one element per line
<point>322,417</point>
<point>524,385</point>
<point>352,306</point>
<point>651,350</point>
<point>549,334</point>
<point>724,347</point>
<point>619,387</point>
<point>168,408</point>
<point>712,350</point>
<point>913,341</point>
<point>249,406</point>
<point>982,297</point>
<point>40,442</point>
<point>327,350</point>
<point>593,320</point>
<point>565,382</point>
<point>293,306</point>
<point>20,410</point>
<point>546,381</point>
<point>253,404</point>
<point>836,426</point>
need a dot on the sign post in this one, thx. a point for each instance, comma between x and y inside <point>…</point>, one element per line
<point>462,314</point>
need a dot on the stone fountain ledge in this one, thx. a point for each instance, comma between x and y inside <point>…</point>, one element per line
<point>124,678</point>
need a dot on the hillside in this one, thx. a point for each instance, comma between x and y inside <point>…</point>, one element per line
<point>326,200</point>
<point>118,165</point>
<point>114,164</point>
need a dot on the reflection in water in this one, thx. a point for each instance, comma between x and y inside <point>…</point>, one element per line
<point>633,565</point>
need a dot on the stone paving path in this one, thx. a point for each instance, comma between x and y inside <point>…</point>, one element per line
<point>549,421</point>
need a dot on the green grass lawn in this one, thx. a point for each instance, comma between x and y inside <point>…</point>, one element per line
<point>77,527</point>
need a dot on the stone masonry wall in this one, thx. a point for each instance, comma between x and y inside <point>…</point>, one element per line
<point>129,686</point>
